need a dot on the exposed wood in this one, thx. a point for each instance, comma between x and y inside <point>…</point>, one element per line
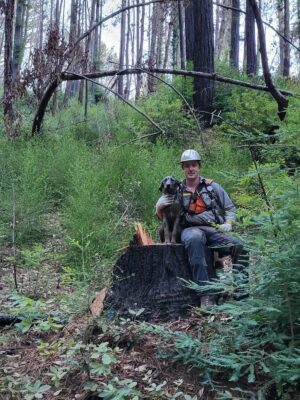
<point>97,305</point>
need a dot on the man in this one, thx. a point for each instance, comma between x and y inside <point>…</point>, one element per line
<point>208,216</point>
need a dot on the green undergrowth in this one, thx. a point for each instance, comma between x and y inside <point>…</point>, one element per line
<point>85,182</point>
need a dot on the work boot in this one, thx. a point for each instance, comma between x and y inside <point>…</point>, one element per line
<point>207,301</point>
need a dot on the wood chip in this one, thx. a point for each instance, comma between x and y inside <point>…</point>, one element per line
<point>97,305</point>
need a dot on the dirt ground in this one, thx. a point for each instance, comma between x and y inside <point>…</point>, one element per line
<point>29,356</point>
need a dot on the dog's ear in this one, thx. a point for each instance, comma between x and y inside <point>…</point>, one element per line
<point>161,185</point>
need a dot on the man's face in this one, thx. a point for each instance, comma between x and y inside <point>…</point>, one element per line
<point>191,169</point>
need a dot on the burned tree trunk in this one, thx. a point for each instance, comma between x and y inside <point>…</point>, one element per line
<point>151,278</point>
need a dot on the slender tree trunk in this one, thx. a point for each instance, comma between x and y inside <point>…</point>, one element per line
<point>95,53</point>
<point>63,18</point>
<point>1,37</point>
<point>168,41</point>
<point>160,35</point>
<point>73,32</point>
<point>41,28</point>
<point>95,10</point>
<point>127,50</point>
<point>153,43</point>
<point>250,41</point>
<point>8,89</point>
<point>19,44</point>
<point>286,45</point>
<point>175,35</point>
<point>122,50</point>
<point>140,48</point>
<point>282,101</point>
<point>235,36</point>
<point>223,33</point>
<point>204,54</point>
<point>280,13</point>
<point>181,35</point>
<point>51,12</point>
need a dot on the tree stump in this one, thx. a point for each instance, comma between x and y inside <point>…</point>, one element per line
<point>150,278</point>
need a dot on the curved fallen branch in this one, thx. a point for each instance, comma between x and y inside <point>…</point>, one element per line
<point>66,76</point>
<point>123,99</point>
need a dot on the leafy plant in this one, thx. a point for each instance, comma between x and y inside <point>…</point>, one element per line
<point>35,390</point>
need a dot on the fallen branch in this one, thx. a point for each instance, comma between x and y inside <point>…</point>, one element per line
<point>66,76</point>
<point>184,100</point>
<point>123,99</point>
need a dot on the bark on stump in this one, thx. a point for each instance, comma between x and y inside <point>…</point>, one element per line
<point>148,277</point>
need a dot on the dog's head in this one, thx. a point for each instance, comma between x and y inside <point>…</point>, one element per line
<point>169,185</point>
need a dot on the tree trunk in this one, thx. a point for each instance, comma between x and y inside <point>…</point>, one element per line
<point>149,278</point>
<point>235,36</point>
<point>168,41</point>
<point>140,46</point>
<point>153,42</point>
<point>127,51</point>
<point>181,24</point>
<point>19,43</point>
<point>284,28</point>
<point>8,89</point>
<point>189,32</point>
<point>41,25</point>
<point>250,41</point>
<point>69,91</point>
<point>175,35</point>
<point>161,16</point>
<point>223,33</point>
<point>122,49</point>
<point>203,55</point>
<point>282,102</point>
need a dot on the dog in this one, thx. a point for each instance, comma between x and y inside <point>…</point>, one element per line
<point>170,228</point>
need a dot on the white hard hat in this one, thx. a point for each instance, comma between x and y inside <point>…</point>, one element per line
<point>190,155</point>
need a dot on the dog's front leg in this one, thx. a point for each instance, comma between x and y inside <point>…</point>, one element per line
<point>175,229</point>
<point>166,230</point>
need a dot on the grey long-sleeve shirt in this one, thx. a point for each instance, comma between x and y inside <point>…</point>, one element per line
<point>224,207</point>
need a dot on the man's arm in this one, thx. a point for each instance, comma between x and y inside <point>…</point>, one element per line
<point>163,202</point>
<point>227,206</point>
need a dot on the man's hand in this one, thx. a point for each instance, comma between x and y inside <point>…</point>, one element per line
<point>227,227</point>
<point>163,202</point>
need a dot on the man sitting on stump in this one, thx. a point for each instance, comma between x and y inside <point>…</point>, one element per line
<point>208,214</point>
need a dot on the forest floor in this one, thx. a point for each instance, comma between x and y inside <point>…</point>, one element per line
<point>36,354</point>
<point>49,353</point>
